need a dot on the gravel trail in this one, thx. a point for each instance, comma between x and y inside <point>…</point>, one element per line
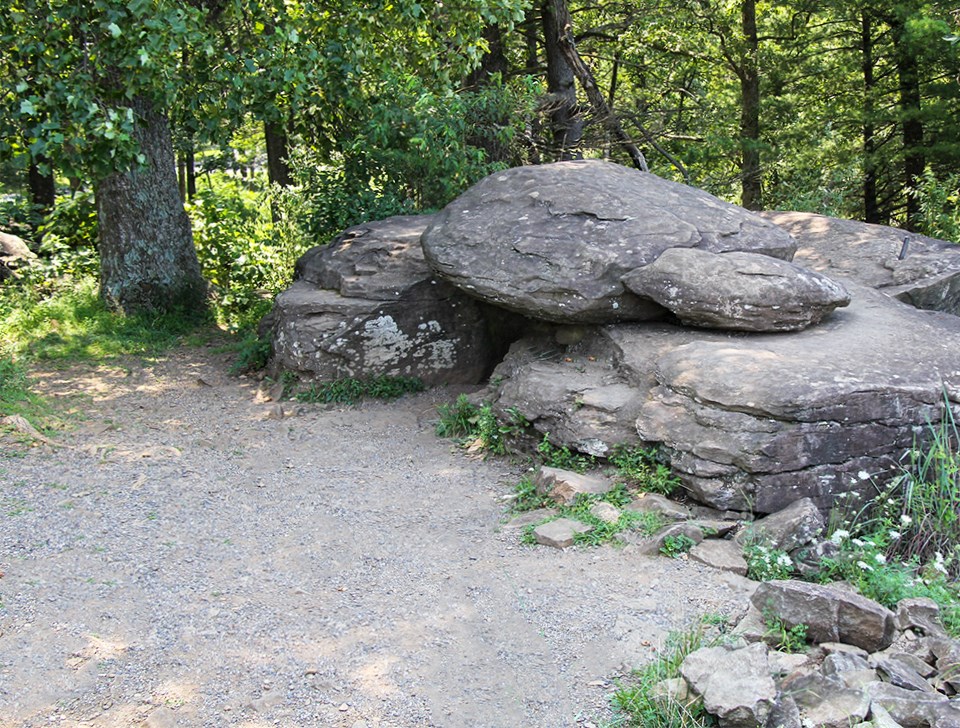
<point>185,560</point>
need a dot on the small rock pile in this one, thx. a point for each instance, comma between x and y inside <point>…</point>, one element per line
<point>867,666</point>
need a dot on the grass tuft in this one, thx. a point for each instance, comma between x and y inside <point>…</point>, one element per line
<point>352,391</point>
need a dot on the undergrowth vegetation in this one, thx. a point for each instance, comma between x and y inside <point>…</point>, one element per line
<point>351,391</point>
<point>639,701</point>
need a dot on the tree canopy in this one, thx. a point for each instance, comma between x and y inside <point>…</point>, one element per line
<point>381,106</point>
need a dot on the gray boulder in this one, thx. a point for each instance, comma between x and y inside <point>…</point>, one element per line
<point>796,525</point>
<point>14,252</point>
<point>737,291</point>
<point>830,613</point>
<point>554,241</point>
<point>927,276</point>
<point>736,684</point>
<point>368,305</point>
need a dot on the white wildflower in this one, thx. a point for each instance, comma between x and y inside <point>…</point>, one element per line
<point>863,475</point>
<point>894,535</point>
<point>856,542</point>
<point>938,563</point>
<point>784,560</point>
<point>864,565</point>
<point>880,558</point>
<point>839,536</point>
<point>906,520</point>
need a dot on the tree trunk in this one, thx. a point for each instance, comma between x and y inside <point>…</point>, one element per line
<point>871,209</point>
<point>751,178</point>
<point>278,165</point>
<point>43,189</point>
<point>564,31</point>
<point>914,159</point>
<point>565,120</point>
<point>493,62</point>
<point>191,161</point>
<point>278,154</point>
<point>148,261</point>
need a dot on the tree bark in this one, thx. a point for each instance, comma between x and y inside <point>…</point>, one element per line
<point>278,154</point>
<point>568,48</point>
<point>751,196</point>
<point>914,158</point>
<point>565,120</point>
<point>148,260</point>
<point>871,209</point>
<point>278,165</point>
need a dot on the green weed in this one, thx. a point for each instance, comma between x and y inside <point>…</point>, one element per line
<point>677,544</point>
<point>642,469</point>
<point>602,531</point>
<point>252,354</point>
<point>786,639</point>
<point>635,703</point>
<point>561,457</point>
<point>477,428</point>
<point>351,391</point>
<point>74,324</point>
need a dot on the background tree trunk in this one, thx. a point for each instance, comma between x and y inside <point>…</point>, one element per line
<point>751,196</point>
<point>565,121</point>
<point>148,261</point>
<point>914,159</point>
<point>43,189</point>
<point>871,209</point>
<point>278,154</point>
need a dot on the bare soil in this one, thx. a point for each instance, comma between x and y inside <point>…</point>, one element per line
<point>184,559</point>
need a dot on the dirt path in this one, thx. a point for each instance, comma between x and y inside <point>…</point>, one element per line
<point>189,562</point>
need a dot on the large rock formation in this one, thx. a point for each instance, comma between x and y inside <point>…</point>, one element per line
<point>368,305</point>
<point>918,270</point>
<point>750,421</point>
<point>554,241</point>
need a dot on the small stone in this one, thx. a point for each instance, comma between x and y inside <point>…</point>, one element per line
<point>790,528</point>
<point>161,718</point>
<point>606,512</point>
<point>565,485</point>
<point>899,674</point>
<point>920,613</point>
<point>655,503</point>
<point>344,708</point>
<point>560,533</point>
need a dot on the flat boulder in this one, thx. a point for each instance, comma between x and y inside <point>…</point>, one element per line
<point>737,291</point>
<point>554,241</point>
<point>921,271</point>
<point>368,305</point>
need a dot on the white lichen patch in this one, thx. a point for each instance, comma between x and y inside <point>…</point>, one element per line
<point>384,343</point>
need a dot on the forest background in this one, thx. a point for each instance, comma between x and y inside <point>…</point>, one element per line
<point>290,120</point>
